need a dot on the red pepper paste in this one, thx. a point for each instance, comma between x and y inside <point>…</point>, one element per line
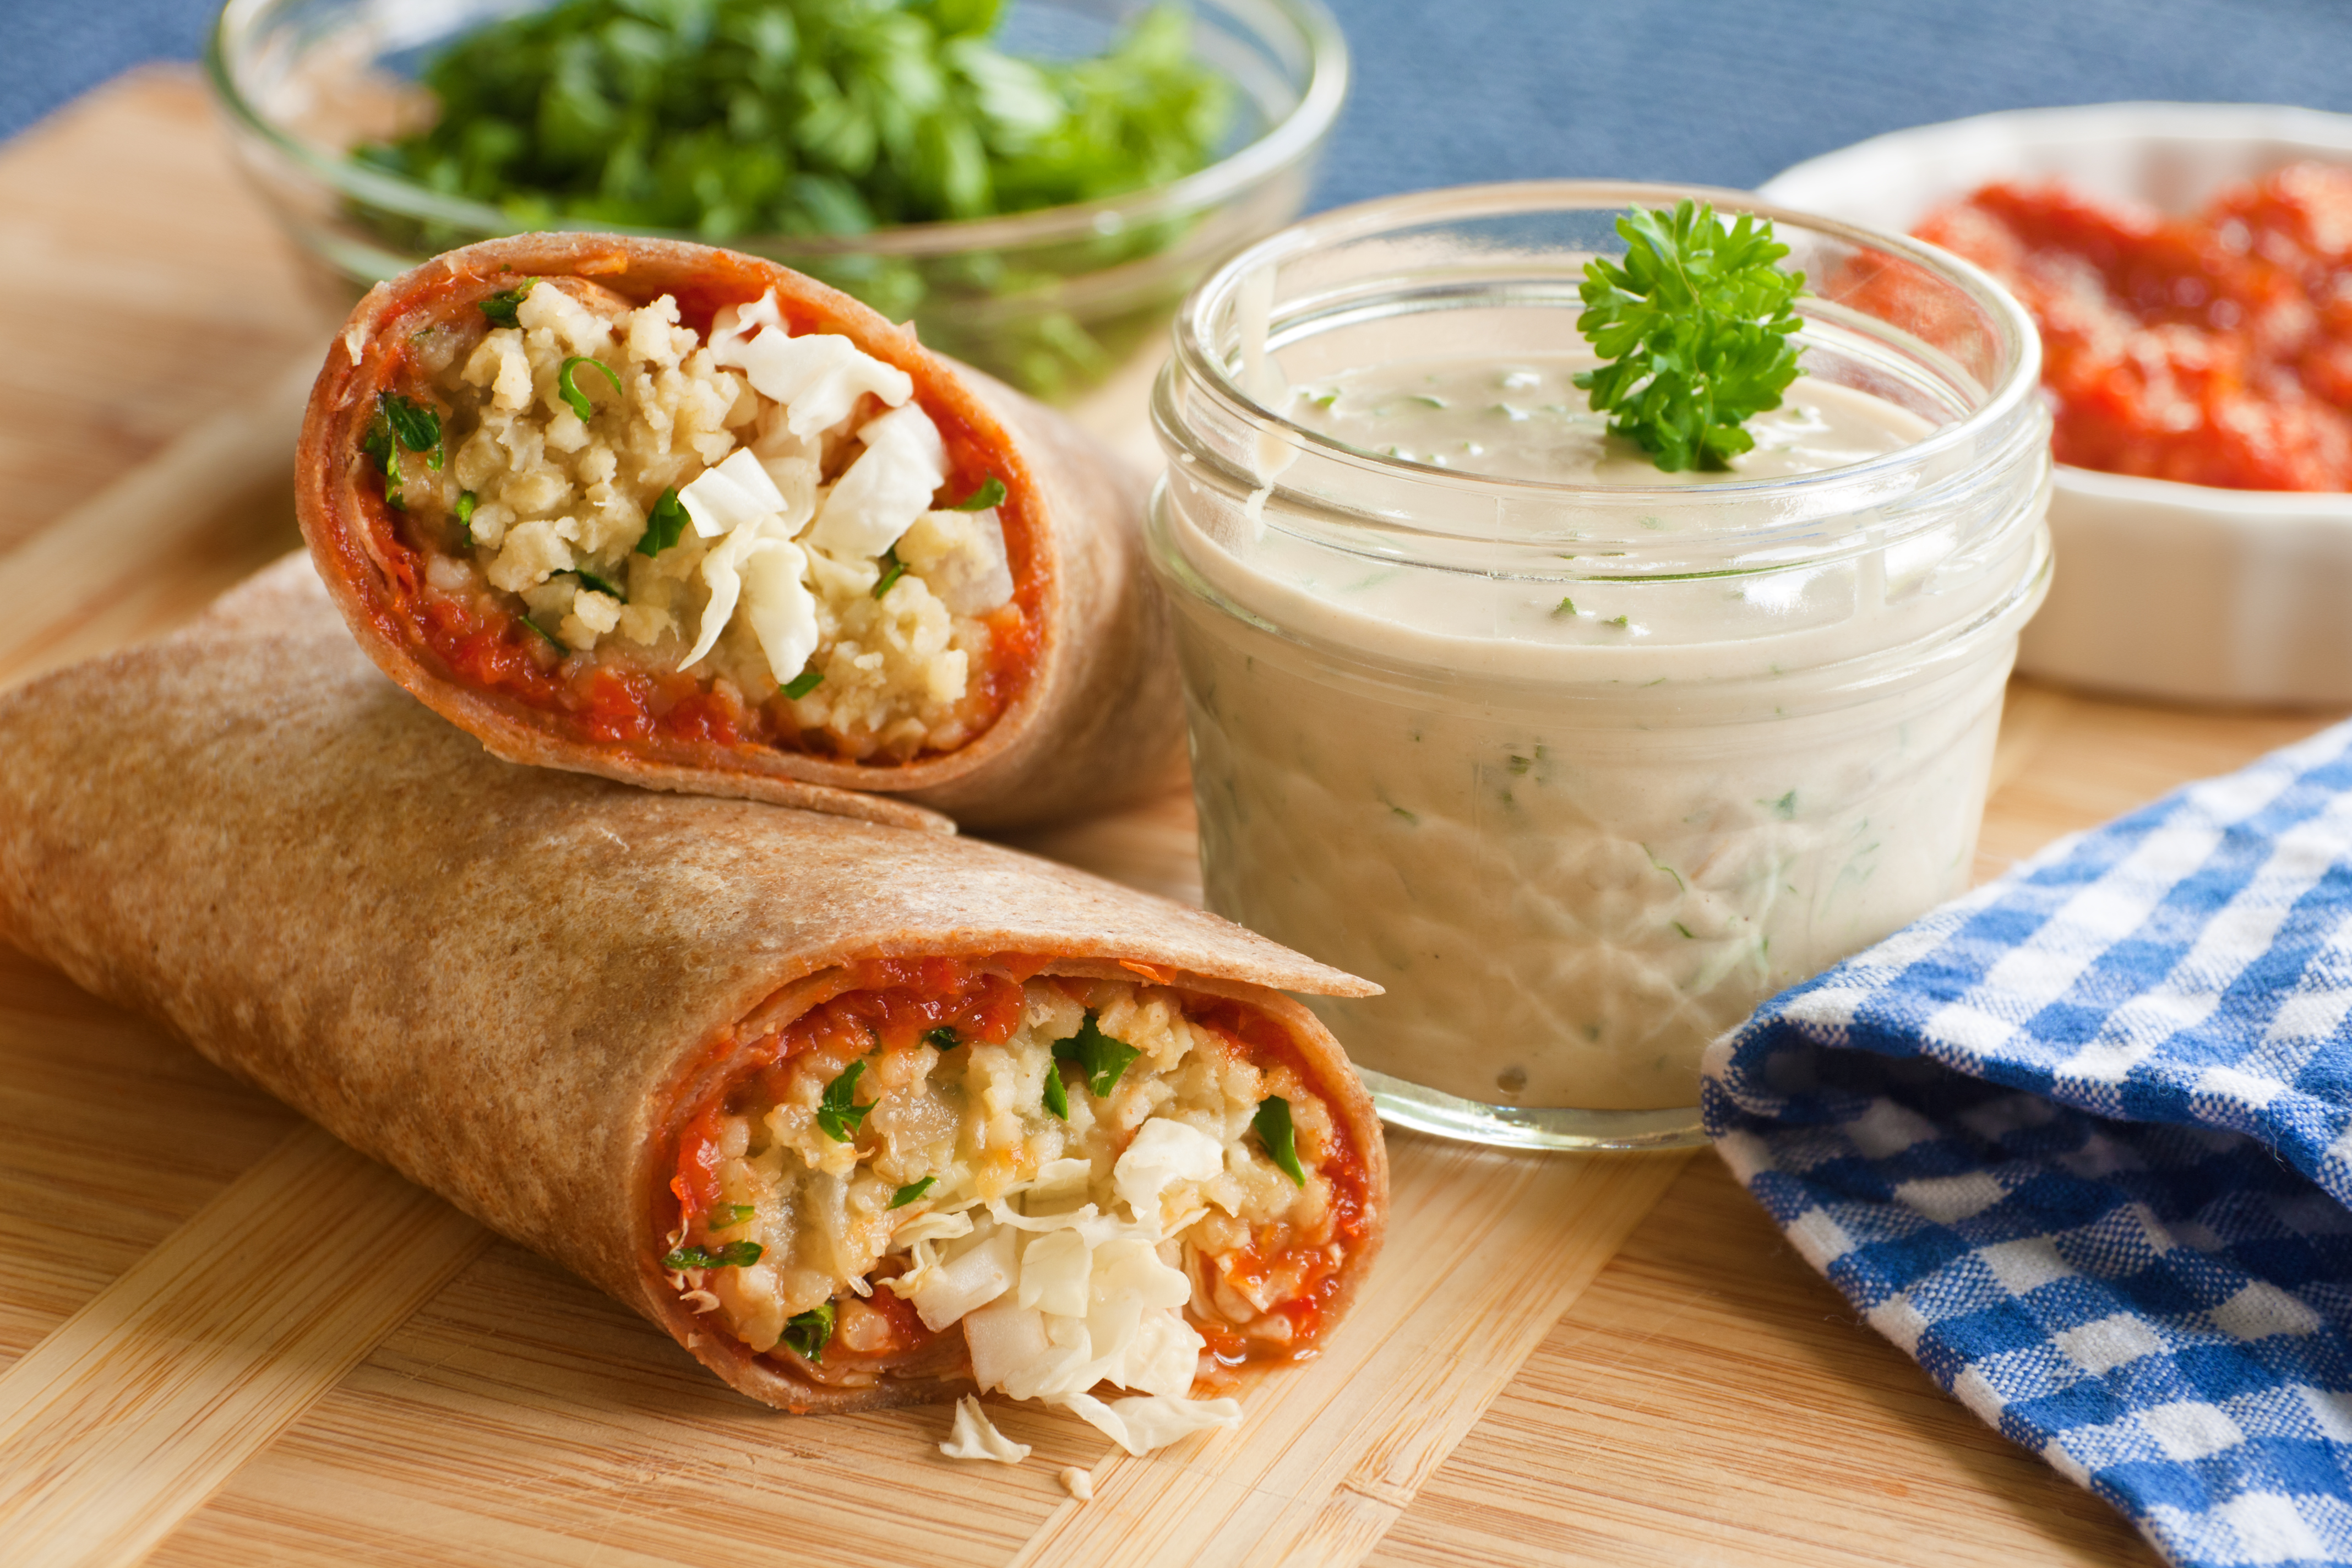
<point>2212,349</point>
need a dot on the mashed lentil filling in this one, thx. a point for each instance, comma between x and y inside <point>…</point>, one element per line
<point>591,509</point>
<point>1050,1182</point>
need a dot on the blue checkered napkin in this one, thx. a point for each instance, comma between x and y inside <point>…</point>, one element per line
<point>2081,1143</point>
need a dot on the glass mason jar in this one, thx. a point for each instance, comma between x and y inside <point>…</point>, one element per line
<point>1583,773</point>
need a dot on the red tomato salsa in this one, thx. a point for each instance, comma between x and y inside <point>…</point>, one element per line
<point>2213,350</point>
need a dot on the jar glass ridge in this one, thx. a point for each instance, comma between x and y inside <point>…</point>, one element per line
<point>1581,772</point>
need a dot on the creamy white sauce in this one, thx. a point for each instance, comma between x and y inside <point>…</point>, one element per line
<point>1576,829</point>
<point>1525,419</point>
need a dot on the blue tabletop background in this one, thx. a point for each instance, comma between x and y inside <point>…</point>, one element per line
<point>1716,91</point>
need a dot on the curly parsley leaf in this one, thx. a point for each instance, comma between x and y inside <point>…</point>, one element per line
<point>1098,1055</point>
<point>807,1334</point>
<point>570,389</point>
<point>666,522</point>
<point>501,308</point>
<point>988,495</point>
<point>911,1191</point>
<point>1696,324</point>
<point>733,1254</point>
<point>1281,1140</point>
<point>838,1114</point>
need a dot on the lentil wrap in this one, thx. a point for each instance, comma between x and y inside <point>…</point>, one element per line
<point>517,985</point>
<point>1067,700</point>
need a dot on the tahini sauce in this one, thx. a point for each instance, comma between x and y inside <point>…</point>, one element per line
<point>1536,824</point>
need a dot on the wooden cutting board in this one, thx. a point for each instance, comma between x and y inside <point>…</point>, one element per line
<point>224,1338</point>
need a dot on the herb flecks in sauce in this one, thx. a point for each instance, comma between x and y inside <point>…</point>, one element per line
<point>1560,439</point>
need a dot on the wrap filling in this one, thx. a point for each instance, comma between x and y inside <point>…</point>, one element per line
<point>1057,1185</point>
<point>735,534</point>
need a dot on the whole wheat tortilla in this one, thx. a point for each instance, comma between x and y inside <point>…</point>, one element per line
<point>498,980</point>
<point>1099,720</point>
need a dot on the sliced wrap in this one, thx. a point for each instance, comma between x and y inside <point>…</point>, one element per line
<point>683,518</point>
<point>704,1051</point>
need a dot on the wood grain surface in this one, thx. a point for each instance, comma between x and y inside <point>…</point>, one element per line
<point>225,1341</point>
<point>127,1416</point>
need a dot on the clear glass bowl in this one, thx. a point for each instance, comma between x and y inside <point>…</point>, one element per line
<point>1053,301</point>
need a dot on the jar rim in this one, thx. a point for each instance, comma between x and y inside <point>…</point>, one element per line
<point>1196,358</point>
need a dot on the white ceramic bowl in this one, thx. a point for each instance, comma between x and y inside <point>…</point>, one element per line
<point>2161,589</point>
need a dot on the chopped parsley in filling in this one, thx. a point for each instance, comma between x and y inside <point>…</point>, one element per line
<point>1074,1182</point>
<point>769,513</point>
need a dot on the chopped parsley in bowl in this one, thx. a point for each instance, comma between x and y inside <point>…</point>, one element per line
<point>1034,184</point>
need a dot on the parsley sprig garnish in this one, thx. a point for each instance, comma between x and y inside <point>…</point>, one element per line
<point>1695,323</point>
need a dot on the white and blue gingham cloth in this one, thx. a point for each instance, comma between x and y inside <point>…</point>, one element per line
<point>2081,1143</point>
